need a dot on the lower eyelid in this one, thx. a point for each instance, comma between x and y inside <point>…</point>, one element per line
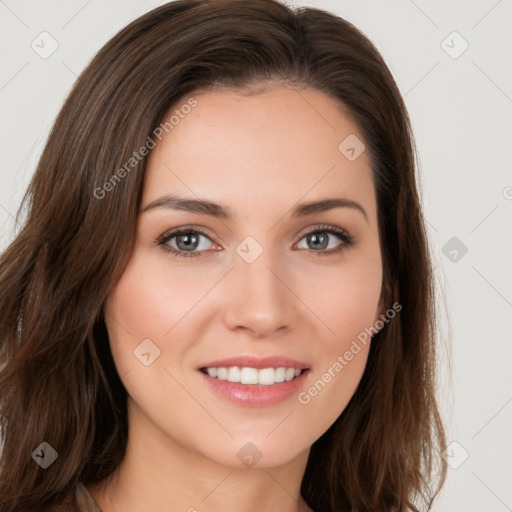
<point>164,241</point>
<point>345,239</point>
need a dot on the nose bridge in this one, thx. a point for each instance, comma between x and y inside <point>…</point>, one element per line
<point>259,299</point>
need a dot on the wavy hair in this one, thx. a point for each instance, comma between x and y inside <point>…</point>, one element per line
<point>58,382</point>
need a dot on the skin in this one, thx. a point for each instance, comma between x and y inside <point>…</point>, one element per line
<point>259,155</point>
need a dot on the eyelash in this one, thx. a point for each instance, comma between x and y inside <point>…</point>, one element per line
<point>347,240</point>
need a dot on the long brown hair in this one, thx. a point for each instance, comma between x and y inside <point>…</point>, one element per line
<point>58,383</point>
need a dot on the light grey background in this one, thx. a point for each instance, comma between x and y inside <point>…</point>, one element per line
<point>460,106</point>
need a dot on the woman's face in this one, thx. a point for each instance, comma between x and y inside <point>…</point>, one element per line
<point>259,289</point>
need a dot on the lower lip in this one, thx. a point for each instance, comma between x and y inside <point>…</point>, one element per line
<point>255,394</point>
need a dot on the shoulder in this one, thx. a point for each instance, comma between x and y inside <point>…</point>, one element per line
<point>77,500</point>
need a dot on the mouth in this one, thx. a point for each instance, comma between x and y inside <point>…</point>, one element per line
<point>253,376</point>
<point>256,382</point>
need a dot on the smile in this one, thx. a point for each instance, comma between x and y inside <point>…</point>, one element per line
<point>248,375</point>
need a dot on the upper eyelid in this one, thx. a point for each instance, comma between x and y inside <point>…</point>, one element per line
<point>171,233</point>
<point>168,235</point>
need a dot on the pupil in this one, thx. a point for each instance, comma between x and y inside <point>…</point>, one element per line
<point>314,238</point>
<point>190,240</point>
<point>187,239</point>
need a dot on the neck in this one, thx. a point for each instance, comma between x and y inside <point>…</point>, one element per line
<point>157,473</point>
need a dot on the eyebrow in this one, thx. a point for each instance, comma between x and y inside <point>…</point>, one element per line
<point>205,207</point>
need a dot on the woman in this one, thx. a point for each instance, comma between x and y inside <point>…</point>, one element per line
<point>170,339</point>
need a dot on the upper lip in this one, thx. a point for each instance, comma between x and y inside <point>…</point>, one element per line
<point>256,362</point>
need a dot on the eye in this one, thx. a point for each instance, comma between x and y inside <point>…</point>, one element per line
<point>186,242</point>
<point>319,240</point>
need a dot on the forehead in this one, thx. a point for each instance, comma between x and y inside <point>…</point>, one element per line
<point>272,147</point>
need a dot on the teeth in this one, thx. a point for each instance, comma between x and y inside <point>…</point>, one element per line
<point>290,373</point>
<point>246,375</point>
<point>266,376</point>
<point>233,374</point>
<point>280,374</point>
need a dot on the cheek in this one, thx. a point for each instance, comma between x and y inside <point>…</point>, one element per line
<point>148,302</point>
<point>342,357</point>
<point>137,309</point>
<point>348,306</point>
<point>346,301</point>
<point>327,393</point>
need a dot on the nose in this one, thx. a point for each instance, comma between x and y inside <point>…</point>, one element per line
<point>259,298</point>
